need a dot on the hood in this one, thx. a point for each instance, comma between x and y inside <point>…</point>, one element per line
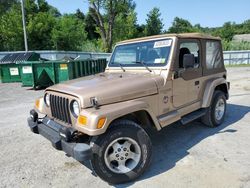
<point>109,87</point>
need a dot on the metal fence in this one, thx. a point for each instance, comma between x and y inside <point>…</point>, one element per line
<point>57,55</point>
<point>236,57</point>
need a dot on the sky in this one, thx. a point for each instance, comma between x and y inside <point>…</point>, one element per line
<point>208,13</point>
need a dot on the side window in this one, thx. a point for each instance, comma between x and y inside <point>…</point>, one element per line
<point>213,55</point>
<point>189,48</point>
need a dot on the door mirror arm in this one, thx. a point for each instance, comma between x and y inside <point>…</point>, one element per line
<point>178,73</point>
<point>175,75</point>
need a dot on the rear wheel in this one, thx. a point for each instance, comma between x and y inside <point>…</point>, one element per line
<point>216,111</point>
<point>121,154</point>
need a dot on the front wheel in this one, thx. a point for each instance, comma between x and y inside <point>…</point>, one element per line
<point>216,111</point>
<point>121,154</point>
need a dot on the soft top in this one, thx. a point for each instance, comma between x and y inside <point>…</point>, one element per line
<point>182,35</point>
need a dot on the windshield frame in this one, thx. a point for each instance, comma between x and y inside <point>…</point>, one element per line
<point>139,65</point>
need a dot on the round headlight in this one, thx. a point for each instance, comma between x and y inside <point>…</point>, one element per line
<point>75,108</point>
<point>46,99</point>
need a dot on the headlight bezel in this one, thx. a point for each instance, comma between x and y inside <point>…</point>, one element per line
<point>47,99</point>
<point>75,108</point>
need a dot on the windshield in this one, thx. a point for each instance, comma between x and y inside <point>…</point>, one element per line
<point>149,53</point>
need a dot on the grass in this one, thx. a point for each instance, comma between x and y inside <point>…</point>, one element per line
<point>238,65</point>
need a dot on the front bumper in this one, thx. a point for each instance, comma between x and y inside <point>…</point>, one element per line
<point>58,135</point>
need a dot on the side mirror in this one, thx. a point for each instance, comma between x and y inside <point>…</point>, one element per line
<point>188,61</point>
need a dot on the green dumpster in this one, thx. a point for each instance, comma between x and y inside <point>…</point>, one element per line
<point>10,73</point>
<point>43,74</point>
<point>10,67</point>
<point>37,73</point>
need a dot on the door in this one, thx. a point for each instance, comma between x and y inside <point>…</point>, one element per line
<point>186,82</point>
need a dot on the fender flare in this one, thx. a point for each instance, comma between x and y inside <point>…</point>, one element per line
<point>113,112</point>
<point>209,90</point>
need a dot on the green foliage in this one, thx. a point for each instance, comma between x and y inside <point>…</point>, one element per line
<point>40,20</point>
<point>232,45</point>
<point>11,31</point>
<point>140,30</point>
<point>5,5</point>
<point>30,7</point>
<point>245,27</point>
<point>91,46</point>
<point>106,22</point>
<point>80,15</point>
<point>154,24</point>
<point>105,13</point>
<point>226,32</point>
<point>43,6</point>
<point>90,27</point>
<point>182,26</point>
<point>69,33</point>
<point>125,27</point>
<point>39,31</point>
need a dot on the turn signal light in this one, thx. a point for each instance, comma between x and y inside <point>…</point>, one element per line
<point>82,120</point>
<point>101,122</point>
<point>37,103</point>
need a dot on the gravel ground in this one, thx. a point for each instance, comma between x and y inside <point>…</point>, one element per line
<point>184,156</point>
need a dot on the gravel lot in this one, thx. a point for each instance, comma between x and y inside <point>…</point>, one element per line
<point>184,156</point>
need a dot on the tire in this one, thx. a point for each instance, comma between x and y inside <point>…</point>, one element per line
<point>113,149</point>
<point>215,114</point>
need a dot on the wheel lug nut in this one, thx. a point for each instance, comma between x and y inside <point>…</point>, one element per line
<point>122,158</point>
<point>124,149</point>
<point>119,150</point>
<point>126,154</point>
<point>117,155</point>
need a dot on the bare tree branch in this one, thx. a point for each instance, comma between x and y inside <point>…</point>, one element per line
<point>111,8</point>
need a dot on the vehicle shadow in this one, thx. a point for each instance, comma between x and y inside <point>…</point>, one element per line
<point>172,143</point>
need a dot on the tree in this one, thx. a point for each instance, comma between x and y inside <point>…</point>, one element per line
<point>246,27</point>
<point>154,23</point>
<point>226,32</point>
<point>39,31</point>
<point>5,6</point>
<point>69,33</point>
<point>43,6</point>
<point>140,30</point>
<point>90,27</point>
<point>79,14</point>
<point>31,8</point>
<point>11,31</point>
<point>181,26</point>
<point>125,26</point>
<point>105,13</point>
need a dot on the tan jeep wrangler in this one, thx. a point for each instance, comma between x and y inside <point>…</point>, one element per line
<point>149,82</point>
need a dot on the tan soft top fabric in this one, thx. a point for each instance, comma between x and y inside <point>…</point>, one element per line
<point>183,35</point>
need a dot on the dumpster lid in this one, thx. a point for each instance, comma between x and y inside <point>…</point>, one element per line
<point>19,57</point>
<point>67,58</point>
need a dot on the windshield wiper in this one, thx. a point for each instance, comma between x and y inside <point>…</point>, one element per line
<point>141,62</point>
<point>122,67</point>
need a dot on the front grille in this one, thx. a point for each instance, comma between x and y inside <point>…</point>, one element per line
<point>60,108</point>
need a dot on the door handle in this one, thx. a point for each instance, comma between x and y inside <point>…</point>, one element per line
<point>196,83</point>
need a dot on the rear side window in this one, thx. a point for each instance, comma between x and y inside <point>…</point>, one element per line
<point>214,58</point>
